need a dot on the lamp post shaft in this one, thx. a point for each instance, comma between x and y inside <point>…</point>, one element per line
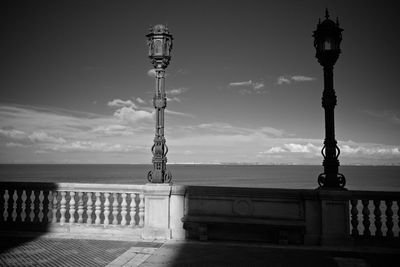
<point>159,97</point>
<point>159,174</point>
<point>331,150</point>
<point>329,102</point>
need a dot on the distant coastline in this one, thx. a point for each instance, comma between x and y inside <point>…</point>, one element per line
<point>208,164</point>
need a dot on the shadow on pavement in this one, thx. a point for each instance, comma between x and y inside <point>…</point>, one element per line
<point>195,253</point>
<point>26,212</point>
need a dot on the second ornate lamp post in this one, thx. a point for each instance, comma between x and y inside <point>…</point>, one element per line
<point>160,45</point>
<point>327,40</point>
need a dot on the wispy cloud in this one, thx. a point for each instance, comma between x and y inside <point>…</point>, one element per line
<point>130,115</point>
<point>13,134</point>
<point>141,101</point>
<point>43,137</point>
<point>222,128</point>
<point>177,91</point>
<point>246,83</point>
<point>35,137</point>
<point>273,132</point>
<point>373,150</point>
<point>113,130</point>
<point>351,152</point>
<point>17,145</point>
<point>300,78</point>
<point>174,94</point>
<point>176,99</point>
<point>247,87</point>
<point>121,103</point>
<point>283,80</point>
<point>182,114</point>
<point>91,146</point>
<point>392,116</point>
<point>151,73</point>
<point>274,150</point>
<point>257,86</point>
<point>294,148</point>
<point>295,78</point>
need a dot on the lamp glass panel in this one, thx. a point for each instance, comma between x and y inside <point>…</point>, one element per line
<point>327,45</point>
<point>158,51</point>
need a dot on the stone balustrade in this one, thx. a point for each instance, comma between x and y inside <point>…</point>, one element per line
<point>35,206</point>
<point>164,211</point>
<point>374,214</point>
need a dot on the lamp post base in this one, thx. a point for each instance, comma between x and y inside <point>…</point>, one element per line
<point>331,181</point>
<point>159,177</point>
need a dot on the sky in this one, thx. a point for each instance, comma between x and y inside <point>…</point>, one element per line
<point>243,85</point>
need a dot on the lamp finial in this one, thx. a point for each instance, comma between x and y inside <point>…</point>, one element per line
<point>326,13</point>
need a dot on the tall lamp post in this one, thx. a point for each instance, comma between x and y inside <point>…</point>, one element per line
<point>327,38</point>
<point>160,45</point>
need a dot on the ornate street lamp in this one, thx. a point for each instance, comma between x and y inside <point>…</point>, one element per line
<point>327,40</point>
<point>160,45</point>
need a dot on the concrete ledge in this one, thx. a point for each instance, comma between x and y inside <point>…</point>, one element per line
<point>91,231</point>
<point>154,233</point>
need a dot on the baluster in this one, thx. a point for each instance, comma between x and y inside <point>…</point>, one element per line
<point>98,208</point>
<point>378,219</point>
<point>106,208</point>
<point>32,213</point>
<point>14,212</point>
<point>123,209</point>
<point>72,207</point>
<point>354,217</point>
<point>23,205</point>
<point>41,198</point>
<point>63,209</point>
<point>389,218</point>
<point>398,218</point>
<point>115,209</point>
<point>366,222</point>
<point>132,210</point>
<point>49,206</point>
<point>54,213</point>
<point>141,209</point>
<point>89,210</point>
<point>80,207</point>
<point>6,197</point>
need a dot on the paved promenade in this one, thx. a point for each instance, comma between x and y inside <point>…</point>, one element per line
<point>50,251</point>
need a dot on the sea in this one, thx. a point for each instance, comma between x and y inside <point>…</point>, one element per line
<point>375,178</point>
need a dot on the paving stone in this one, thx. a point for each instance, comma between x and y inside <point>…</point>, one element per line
<point>351,262</point>
<point>137,260</point>
<point>66,252</point>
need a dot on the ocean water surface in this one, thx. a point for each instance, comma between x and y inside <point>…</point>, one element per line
<point>385,178</point>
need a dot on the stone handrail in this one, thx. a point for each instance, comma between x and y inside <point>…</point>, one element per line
<point>374,214</point>
<point>72,203</point>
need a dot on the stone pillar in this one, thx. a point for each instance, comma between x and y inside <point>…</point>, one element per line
<point>335,221</point>
<point>312,207</point>
<point>177,207</point>
<point>157,211</point>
